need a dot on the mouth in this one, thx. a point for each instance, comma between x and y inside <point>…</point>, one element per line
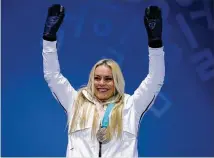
<point>102,90</point>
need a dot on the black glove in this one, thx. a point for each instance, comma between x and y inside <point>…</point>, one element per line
<point>54,20</point>
<point>153,24</point>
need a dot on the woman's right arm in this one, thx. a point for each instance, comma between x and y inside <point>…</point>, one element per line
<point>58,84</point>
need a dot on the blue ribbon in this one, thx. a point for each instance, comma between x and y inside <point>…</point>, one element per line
<point>105,121</point>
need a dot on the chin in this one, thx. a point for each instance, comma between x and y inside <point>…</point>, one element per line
<point>102,98</point>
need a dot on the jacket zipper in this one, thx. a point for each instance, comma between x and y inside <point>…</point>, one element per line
<point>100,149</point>
<point>100,145</point>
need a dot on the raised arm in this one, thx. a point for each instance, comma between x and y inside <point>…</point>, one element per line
<point>58,84</point>
<point>145,95</point>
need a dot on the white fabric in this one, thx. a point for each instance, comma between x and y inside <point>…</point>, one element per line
<point>80,143</point>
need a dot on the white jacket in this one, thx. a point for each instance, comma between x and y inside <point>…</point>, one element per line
<point>80,143</point>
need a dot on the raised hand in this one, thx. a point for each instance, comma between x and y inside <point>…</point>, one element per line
<point>153,24</point>
<point>54,19</point>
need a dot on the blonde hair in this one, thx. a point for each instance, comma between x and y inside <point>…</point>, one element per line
<point>115,124</point>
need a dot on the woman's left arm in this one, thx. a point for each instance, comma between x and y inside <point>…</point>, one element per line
<point>144,96</point>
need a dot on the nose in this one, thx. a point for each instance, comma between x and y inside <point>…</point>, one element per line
<point>102,82</point>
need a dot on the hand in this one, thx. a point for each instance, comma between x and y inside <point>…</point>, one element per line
<point>54,20</point>
<point>153,24</point>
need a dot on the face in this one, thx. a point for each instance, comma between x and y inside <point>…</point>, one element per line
<point>103,83</point>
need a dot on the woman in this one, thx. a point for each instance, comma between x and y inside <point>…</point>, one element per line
<point>102,119</point>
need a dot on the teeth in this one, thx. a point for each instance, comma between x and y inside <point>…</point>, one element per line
<point>102,90</point>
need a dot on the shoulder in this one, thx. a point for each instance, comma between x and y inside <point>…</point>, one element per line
<point>126,96</point>
<point>127,100</point>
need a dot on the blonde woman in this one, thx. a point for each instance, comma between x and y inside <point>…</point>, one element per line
<point>102,119</point>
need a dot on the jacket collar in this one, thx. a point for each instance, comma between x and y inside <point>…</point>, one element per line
<point>89,97</point>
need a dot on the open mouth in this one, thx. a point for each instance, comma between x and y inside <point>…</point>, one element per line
<point>102,90</point>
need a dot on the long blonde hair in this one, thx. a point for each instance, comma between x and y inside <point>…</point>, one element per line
<point>115,124</point>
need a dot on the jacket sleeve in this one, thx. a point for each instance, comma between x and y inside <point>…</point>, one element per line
<point>145,95</point>
<point>58,84</point>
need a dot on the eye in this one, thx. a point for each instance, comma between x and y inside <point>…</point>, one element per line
<point>108,78</point>
<point>96,78</point>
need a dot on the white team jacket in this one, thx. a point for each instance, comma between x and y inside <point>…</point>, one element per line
<point>80,143</point>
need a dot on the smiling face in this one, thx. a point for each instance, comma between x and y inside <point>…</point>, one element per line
<point>103,83</point>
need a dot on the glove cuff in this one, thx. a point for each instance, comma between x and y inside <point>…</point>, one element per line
<point>49,38</point>
<point>155,43</point>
